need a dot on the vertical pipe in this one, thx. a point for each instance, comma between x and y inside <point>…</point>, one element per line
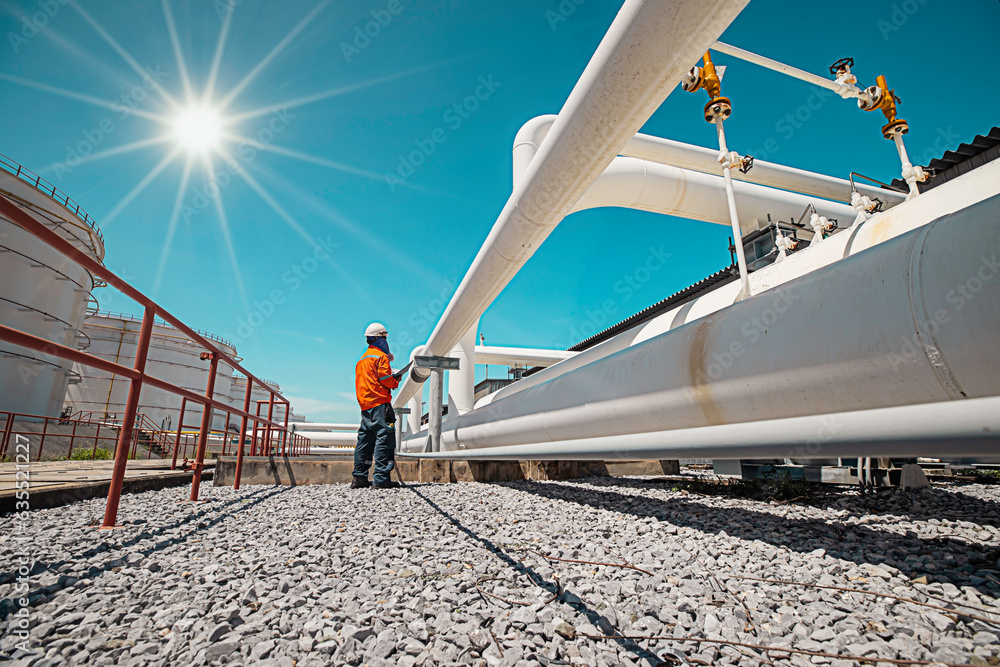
<point>97,436</point>
<point>434,410</point>
<point>243,436</point>
<point>416,405</point>
<point>462,382</point>
<point>733,216</point>
<point>206,422</point>
<point>905,159</point>
<point>131,407</point>
<point>177,440</point>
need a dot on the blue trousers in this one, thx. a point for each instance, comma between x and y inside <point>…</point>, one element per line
<point>376,439</point>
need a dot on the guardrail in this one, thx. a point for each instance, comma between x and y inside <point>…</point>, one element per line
<point>158,322</point>
<point>43,186</point>
<point>137,376</point>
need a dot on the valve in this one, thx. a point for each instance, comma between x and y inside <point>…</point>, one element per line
<point>844,79</point>
<point>707,79</point>
<point>746,164</point>
<point>880,97</point>
<point>821,226</point>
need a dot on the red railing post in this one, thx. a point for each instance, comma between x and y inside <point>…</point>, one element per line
<point>93,454</point>
<point>72,439</point>
<point>206,422</point>
<point>131,407</point>
<point>284,434</point>
<point>225,433</point>
<point>270,416</point>
<point>243,433</point>
<point>177,441</point>
<point>41,444</point>
<point>6,434</point>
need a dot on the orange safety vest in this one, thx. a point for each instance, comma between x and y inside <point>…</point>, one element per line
<point>373,379</point>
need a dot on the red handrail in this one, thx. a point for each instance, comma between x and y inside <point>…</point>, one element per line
<point>137,375</point>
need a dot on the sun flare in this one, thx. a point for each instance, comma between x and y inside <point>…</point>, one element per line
<point>198,129</point>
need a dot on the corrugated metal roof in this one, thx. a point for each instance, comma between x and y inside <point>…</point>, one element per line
<point>704,286</point>
<point>983,149</point>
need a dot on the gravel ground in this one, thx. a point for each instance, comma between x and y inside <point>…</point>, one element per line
<point>321,575</point>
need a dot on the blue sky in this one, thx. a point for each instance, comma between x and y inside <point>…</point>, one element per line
<point>323,126</point>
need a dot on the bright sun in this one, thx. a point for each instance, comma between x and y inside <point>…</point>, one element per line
<point>198,129</point>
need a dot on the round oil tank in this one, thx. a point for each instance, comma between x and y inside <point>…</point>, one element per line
<point>172,357</point>
<point>42,292</point>
<point>258,399</point>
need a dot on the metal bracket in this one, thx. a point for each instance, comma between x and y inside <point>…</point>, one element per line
<point>444,363</point>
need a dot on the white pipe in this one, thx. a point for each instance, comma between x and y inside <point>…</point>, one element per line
<point>971,188</point>
<point>505,356</point>
<point>637,184</point>
<point>462,383</point>
<point>335,438</point>
<point>706,160</point>
<point>301,427</point>
<point>647,49</point>
<point>734,217</point>
<point>955,428</point>
<point>878,329</point>
<point>802,75</point>
<point>416,415</point>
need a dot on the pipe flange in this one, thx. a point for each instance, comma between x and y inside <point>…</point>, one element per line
<point>898,127</point>
<point>692,80</point>
<point>718,109</point>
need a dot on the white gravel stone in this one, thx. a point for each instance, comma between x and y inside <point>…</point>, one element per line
<point>325,574</point>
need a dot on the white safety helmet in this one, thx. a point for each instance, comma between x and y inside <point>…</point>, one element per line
<point>376,329</point>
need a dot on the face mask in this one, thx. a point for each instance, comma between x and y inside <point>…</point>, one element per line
<point>381,342</point>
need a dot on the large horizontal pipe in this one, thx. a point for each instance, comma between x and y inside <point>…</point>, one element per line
<point>648,186</point>
<point>705,160</point>
<point>646,51</point>
<point>520,355</point>
<point>331,439</point>
<point>952,428</point>
<point>320,426</point>
<point>889,326</point>
<point>906,217</point>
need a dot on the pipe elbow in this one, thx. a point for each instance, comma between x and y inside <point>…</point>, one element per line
<point>527,141</point>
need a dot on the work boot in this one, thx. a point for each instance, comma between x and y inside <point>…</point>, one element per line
<point>360,483</point>
<point>386,485</point>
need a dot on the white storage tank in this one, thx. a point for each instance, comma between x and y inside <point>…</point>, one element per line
<point>172,357</point>
<point>41,291</point>
<point>238,393</point>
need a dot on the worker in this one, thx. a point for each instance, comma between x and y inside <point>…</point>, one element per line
<point>374,382</point>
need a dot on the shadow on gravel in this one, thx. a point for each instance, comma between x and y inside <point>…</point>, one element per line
<point>255,498</point>
<point>856,543</point>
<point>535,578</point>
<point>961,506</point>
